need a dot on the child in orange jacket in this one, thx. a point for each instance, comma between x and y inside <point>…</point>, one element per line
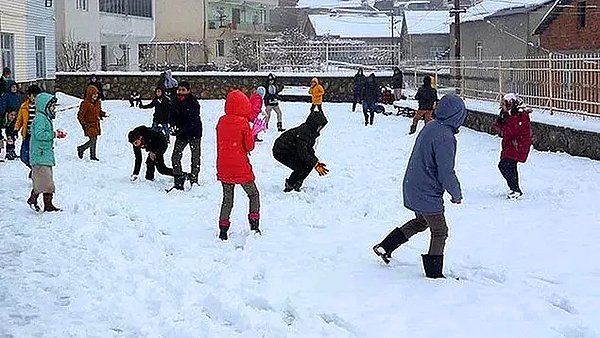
<point>316,91</point>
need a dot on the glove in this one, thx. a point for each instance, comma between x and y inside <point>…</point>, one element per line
<point>456,201</point>
<point>60,133</point>
<point>320,168</point>
<point>174,130</point>
<point>133,178</point>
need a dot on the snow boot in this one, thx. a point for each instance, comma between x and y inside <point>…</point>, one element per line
<point>223,227</point>
<point>94,158</point>
<point>48,206</point>
<point>514,195</point>
<point>433,266</point>
<point>413,129</point>
<point>179,181</point>
<point>253,219</point>
<point>280,127</point>
<point>11,155</point>
<point>390,243</point>
<point>80,153</point>
<point>32,201</point>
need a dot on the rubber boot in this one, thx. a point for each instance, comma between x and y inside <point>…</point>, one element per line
<point>433,266</point>
<point>390,243</point>
<point>48,206</point>
<point>253,219</point>
<point>280,126</point>
<point>223,227</point>
<point>32,201</point>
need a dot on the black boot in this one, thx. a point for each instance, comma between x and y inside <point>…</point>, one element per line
<point>433,265</point>
<point>254,225</point>
<point>179,181</point>
<point>280,126</point>
<point>413,129</point>
<point>223,234</point>
<point>390,243</point>
<point>80,153</point>
<point>32,201</point>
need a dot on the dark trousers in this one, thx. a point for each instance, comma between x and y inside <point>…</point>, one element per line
<point>435,223</point>
<point>356,99</point>
<point>25,151</point>
<point>508,168</point>
<point>157,164</point>
<point>135,102</point>
<point>91,144</point>
<point>162,128</point>
<point>180,145</point>
<point>369,111</point>
<point>228,192</point>
<point>300,169</point>
<point>319,107</point>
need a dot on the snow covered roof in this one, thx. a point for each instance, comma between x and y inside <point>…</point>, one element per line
<point>329,3</point>
<point>490,7</point>
<point>427,22</point>
<point>354,25</point>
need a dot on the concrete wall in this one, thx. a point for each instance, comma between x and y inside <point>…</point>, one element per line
<point>419,45</point>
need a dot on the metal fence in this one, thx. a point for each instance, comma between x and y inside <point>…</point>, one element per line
<point>568,83</point>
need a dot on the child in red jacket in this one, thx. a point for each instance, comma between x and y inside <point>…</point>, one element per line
<point>514,127</point>
<point>234,142</point>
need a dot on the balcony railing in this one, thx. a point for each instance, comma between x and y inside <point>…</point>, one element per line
<point>242,27</point>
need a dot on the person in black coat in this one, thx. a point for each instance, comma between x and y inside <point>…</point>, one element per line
<point>96,83</point>
<point>162,106</point>
<point>187,127</point>
<point>357,87</point>
<point>427,97</point>
<point>295,149</point>
<point>4,80</point>
<point>371,95</point>
<point>397,83</point>
<point>155,144</point>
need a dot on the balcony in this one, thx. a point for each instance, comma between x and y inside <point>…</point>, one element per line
<point>217,25</point>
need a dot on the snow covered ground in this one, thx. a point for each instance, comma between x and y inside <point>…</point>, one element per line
<point>128,260</point>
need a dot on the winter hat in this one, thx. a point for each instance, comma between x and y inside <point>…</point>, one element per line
<point>6,71</point>
<point>185,84</point>
<point>427,80</point>
<point>261,91</point>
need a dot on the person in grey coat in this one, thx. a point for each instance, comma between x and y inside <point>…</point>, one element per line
<point>429,174</point>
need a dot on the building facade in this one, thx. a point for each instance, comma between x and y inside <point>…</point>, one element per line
<point>27,39</point>
<point>94,35</point>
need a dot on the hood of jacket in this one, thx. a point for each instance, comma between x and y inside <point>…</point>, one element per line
<point>451,111</point>
<point>315,81</point>
<point>237,104</point>
<point>316,121</point>
<point>90,91</point>
<point>42,104</point>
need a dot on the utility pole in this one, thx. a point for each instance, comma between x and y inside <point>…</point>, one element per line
<point>457,55</point>
<point>393,43</point>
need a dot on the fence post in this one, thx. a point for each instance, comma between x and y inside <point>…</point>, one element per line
<point>435,75</point>
<point>500,89</point>
<point>186,53</point>
<point>462,77</point>
<point>258,51</point>
<point>327,56</point>
<point>550,89</point>
<point>415,70</point>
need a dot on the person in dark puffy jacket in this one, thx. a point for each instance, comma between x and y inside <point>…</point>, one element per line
<point>430,173</point>
<point>397,83</point>
<point>156,145</point>
<point>514,126</point>
<point>357,88</point>
<point>234,142</point>
<point>6,75</point>
<point>371,95</point>
<point>162,106</point>
<point>187,125</point>
<point>10,103</point>
<point>295,150</point>
<point>427,97</point>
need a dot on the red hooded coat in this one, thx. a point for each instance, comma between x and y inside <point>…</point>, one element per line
<point>256,103</point>
<point>516,137</point>
<point>235,141</point>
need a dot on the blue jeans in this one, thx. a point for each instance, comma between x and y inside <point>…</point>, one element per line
<point>369,111</point>
<point>162,128</point>
<point>25,151</point>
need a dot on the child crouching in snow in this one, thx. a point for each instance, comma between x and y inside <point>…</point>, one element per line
<point>234,142</point>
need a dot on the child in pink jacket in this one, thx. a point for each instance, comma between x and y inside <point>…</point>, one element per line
<point>256,104</point>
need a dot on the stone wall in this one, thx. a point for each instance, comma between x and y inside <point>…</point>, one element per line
<point>339,89</point>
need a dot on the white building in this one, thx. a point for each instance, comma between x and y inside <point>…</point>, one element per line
<point>27,39</point>
<point>102,34</point>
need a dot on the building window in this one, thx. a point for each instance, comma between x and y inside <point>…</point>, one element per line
<point>220,48</point>
<point>81,4</point>
<point>479,51</point>
<point>40,57</point>
<point>141,8</point>
<point>124,59</point>
<point>436,52</point>
<point>581,14</point>
<point>7,45</point>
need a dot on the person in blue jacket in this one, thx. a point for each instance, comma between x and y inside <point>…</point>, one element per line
<point>429,174</point>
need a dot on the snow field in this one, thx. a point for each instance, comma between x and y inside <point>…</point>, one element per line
<point>128,260</point>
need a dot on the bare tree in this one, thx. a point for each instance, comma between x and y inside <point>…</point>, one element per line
<point>75,56</point>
